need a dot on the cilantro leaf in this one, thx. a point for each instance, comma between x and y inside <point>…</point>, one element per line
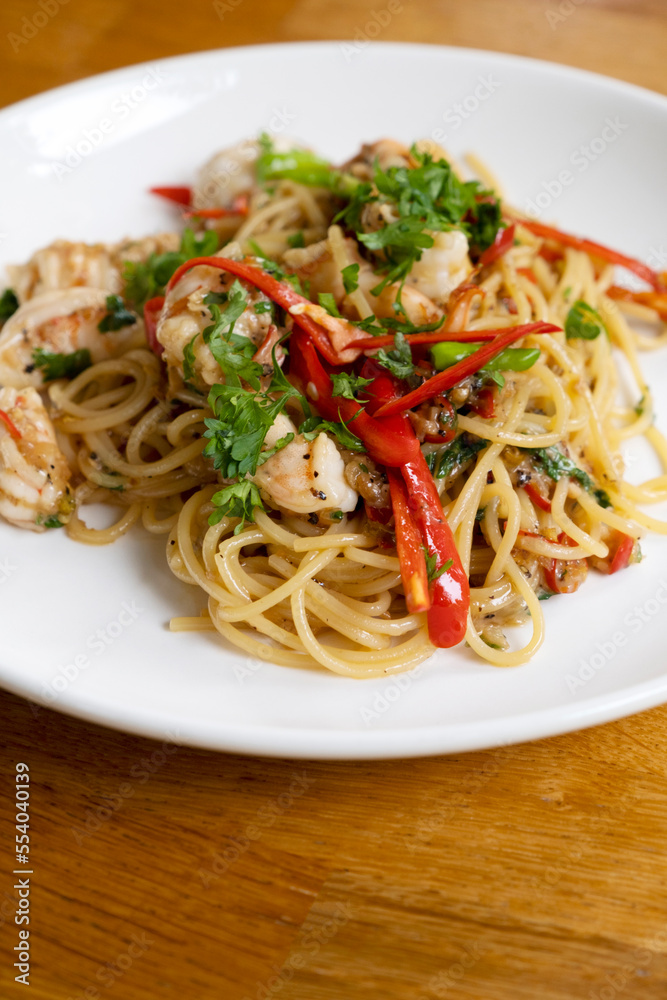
<point>9,303</point>
<point>556,465</point>
<point>237,431</point>
<point>347,385</point>
<point>350,276</point>
<point>60,365</point>
<point>117,317</point>
<point>454,455</point>
<point>583,322</point>
<point>399,360</point>
<point>146,279</point>
<point>237,500</point>
<point>313,426</point>
<point>328,302</point>
<point>233,352</point>
<point>432,573</point>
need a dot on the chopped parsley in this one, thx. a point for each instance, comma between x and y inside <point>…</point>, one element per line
<point>454,455</point>
<point>52,521</point>
<point>399,360</point>
<point>146,279</point>
<point>296,240</point>
<point>313,426</point>
<point>347,385</point>
<point>432,572</point>
<point>556,465</point>
<point>9,303</point>
<point>237,500</point>
<point>60,365</point>
<point>350,276</point>
<point>328,302</point>
<point>117,317</point>
<point>427,198</point>
<point>583,322</point>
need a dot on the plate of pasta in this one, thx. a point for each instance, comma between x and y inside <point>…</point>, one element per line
<point>320,405</point>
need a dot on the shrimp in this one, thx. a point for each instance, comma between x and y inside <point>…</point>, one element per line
<point>317,264</point>
<point>34,474</point>
<point>442,267</point>
<point>226,175</point>
<point>185,315</point>
<point>305,476</point>
<point>71,265</point>
<point>58,322</point>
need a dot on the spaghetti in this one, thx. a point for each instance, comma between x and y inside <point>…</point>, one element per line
<point>371,408</point>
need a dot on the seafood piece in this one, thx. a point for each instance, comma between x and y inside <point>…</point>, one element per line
<point>441,267</point>
<point>34,474</point>
<point>226,175</point>
<point>185,315</point>
<point>71,265</point>
<point>58,322</point>
<point>304,476</point>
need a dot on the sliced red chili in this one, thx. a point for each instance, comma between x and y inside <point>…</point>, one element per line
<point>178,195</point>
<point>537,498</point>
<point>623,553</point>
<point>597,250</point>
<point>502,243</point>
<point>409,547</point>
<point>468,366</point>
<point>152,311</point>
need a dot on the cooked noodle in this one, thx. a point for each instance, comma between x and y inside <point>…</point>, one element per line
<point>301,590</point>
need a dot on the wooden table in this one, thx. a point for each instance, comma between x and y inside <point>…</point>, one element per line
<point>536,872</point>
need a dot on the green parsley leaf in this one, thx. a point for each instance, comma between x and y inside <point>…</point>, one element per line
<point>556,465</point>
<point>233,352</point>
<point>398,361</point>
<point>189,360</point>
<point>52,521</point>
<point>328,302</point>
<point>146,279</point>
<point>313,426</point>
<point>238,428</point>
<point>60,365</point>
<point>336,515</point>
<point>350,276</point>
<point>583,322</point>
<point>263,307</point>
<point>347,385</point>
<point>237,500</point>
<point>117,317</point>
<point>9,303</point>
<point>296,240</point>
<point>432,572</point>
<point>454,455</point>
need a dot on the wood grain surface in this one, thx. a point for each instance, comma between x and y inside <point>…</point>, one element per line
<point>536,872</point>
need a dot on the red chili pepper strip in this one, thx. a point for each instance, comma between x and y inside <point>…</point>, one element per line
<point>537,498</point>
<point>527,272</point>
<point>448,614</point>
<point>280,292</point>
<point>596,250</point>
<point>468,366</point>
<point>654,300</point>
<point>436,337</point>
<point>390,442</point>
<point>179,195</point>
<point>238,207</point>
<point>409,547</point>
<point>502,243</point>
<point>10,425</point>
<point>623,553</point>
<point>152,311</point>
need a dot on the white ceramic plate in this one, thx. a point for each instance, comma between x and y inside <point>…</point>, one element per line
<point>85,630</point>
